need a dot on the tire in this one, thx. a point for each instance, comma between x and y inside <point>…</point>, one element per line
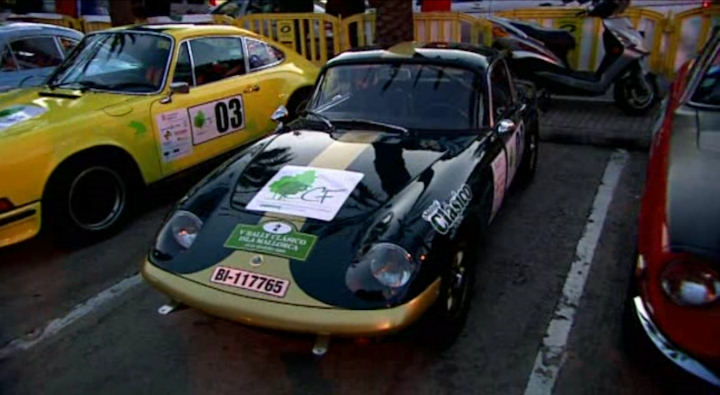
<point>88,198</point>
<point>633,97</point>
<point>448,315</point>
<point>297,102</point>
<point>528,163</point>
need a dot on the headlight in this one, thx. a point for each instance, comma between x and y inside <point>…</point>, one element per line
<point>178,233</point>
<point>390,264</point>
<point>691,283</point>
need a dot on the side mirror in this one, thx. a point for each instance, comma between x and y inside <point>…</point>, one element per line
<point>176,87</point>
<point>281,114</point>
<point>506,126</point>
<point>179,87</point>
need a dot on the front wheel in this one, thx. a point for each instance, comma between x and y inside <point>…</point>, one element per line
<point>528,163</point>
<point>85,201</point>
<point>450,311</point>
<point>636,95</point>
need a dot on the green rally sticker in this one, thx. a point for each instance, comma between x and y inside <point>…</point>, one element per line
<point>274,238</point>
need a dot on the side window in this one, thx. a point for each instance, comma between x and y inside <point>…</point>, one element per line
<point>261,54</point>
<point>502,98</point>
<point>6,59</point>
<point>217,58</point>
<point>36,52</point>
<point>67,44</point>
<point>183,67</point>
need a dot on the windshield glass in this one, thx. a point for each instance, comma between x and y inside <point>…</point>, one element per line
<point>121,61</point>
<point>415,96</point>
<point>708,90</point>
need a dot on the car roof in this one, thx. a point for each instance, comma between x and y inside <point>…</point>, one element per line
<point>464,55</point>
<point>15,29</point>
<point>185,30</point>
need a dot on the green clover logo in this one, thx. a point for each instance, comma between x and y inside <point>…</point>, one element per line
<point>290,185</point>
<point>199,120</point>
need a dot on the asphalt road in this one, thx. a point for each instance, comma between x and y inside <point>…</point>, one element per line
<point>123,346</point>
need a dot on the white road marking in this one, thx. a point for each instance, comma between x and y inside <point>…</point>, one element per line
<point>551,355</point>
<point>79,311</point>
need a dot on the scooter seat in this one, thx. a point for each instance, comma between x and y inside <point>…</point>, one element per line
<point>555,38</point>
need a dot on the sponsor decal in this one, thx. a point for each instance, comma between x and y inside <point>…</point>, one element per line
<point>514,148</point>
<point>309,192</point>
<point>217,118</point>
<point>499,169</point>
<point>174,134</point>
<point>274,238</point>
<point>139,127</point>
<point>444,216</point>
<point>11,115</point>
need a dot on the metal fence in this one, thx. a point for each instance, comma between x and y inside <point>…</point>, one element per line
<point>318,37</point>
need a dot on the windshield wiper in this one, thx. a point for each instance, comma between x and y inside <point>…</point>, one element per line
<point>83,85</point>
<point>321,117</point>
<point>398,128</point>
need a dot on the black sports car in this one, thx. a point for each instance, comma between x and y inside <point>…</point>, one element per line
<point>363,214</point>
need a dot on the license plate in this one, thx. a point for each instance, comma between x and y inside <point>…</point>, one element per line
<point>250,281</point>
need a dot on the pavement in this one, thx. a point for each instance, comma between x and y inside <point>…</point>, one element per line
<point>85,328</point>
<point>597,122</point>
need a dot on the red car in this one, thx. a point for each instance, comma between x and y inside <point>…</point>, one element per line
<point>678,268</point>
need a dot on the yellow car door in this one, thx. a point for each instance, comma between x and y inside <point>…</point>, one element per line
<point>222,109</point>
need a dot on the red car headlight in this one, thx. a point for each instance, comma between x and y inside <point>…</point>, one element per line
<point>691,282</point>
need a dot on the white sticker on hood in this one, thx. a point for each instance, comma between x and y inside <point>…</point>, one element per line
<point>309,192</point>
<point>15,114</point>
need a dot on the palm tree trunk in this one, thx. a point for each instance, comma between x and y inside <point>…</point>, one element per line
<point>123,12</point>
<point>394,23</point>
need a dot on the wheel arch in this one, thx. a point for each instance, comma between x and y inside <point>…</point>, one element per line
<point>109,153</point>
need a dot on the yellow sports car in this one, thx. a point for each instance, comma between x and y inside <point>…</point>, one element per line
<point>129,107</point>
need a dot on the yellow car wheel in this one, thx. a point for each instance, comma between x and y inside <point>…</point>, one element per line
<point>89,197</point>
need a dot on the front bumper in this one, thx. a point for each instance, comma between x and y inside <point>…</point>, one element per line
<point>288,317</point>
<point>675,354</point>
<point>20,224</point>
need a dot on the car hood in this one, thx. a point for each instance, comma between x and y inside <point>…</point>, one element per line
<point>396,172</point>
<point>31,109</point>
<point>386,163</point>
<point>694,182</point>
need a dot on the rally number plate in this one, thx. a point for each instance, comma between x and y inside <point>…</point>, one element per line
<point>250,281</point>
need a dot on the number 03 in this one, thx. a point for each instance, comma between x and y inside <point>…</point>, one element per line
<point>224,119</point>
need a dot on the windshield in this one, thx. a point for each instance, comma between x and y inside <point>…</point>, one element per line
<point>414,96</point>
<point>708,90</point>
<point>128,62</point>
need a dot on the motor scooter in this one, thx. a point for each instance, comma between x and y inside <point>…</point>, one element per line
<point>540,56</point>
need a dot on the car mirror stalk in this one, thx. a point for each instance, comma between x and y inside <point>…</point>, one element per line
<point>176,87</point>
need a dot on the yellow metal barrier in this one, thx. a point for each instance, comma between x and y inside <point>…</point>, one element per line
<point>428,27</point>
<point>315,36</point>
<point>50,19</point>
<point>318,37</point>
<point>452,27</point>
<point>680,46</point>
<point>93,23</point>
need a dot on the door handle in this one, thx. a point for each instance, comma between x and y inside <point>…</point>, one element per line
<point>251,89</point>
